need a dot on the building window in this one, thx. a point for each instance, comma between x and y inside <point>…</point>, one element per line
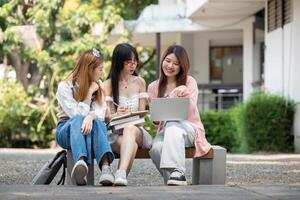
<point>216,59</point>
<point>226,64</point>
<point>279,13</point>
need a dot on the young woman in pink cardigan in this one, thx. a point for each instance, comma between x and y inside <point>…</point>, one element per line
<point>168,147</point>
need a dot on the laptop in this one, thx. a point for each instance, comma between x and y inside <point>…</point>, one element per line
<point>169,109</point>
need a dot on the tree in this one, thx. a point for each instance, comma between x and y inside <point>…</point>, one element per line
<point>129,9</point>
<point>64,29</point>
<point>63,32</point>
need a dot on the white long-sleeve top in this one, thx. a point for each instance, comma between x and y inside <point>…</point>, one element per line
<point>69,107</point>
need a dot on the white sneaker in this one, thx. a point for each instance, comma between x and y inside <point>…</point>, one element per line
<point>106,178</point>
<point>79,172</point>
<point>120,178</point>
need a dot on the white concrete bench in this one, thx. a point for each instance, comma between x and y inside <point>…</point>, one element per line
<point>208,169</point>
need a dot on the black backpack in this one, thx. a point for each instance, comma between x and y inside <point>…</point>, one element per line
<point>50,169</point>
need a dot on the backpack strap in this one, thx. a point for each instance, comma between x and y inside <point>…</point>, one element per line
<point>63,176</point>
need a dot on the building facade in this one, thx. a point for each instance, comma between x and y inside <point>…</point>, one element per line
<point>235,47</point>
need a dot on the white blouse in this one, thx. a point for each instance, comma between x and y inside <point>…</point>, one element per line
<point>72,108</point>
<point>132,103</point>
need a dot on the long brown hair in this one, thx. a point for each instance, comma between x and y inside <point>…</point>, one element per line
<point>81,75</point>
<point>184,65</point>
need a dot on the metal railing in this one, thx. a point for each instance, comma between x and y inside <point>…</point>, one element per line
<point>219,96</point>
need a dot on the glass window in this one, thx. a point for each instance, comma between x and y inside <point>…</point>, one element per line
<point>226,64</point>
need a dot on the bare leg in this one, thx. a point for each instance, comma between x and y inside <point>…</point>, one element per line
<point>104,160</point>
<point>132,138</point>
<point>116,146</point>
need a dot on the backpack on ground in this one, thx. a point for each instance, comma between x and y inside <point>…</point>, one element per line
<point>50,169</point>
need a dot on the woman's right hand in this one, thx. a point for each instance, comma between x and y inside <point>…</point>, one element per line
<point>180,91</point>
<point>122,110</point>
<point>93,87</point>
<point>87,125</point>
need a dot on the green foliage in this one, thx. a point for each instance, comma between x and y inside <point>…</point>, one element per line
<point>220,129</point>
<point>44,16</point>
<point>128,9</point>
<point>149,126</point>
<point>236,114</point>
<point>268,121</point>
<point>18,119</point>
<point>13,112</point>
<point>263,123</point>
<point>147,68</point>
<point>65,30</point>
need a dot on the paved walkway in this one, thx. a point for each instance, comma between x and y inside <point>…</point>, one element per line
<point>266,192</point>
<point>272,176</point>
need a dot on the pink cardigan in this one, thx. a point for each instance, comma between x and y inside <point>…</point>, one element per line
<point>201,144</point>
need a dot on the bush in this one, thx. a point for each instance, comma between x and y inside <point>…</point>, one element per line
<point>13,112</point>
<point>268,121</point>
<point>18,121</point>
<point>263,123</point>
<point>220,129</point>
<point>237,115</point>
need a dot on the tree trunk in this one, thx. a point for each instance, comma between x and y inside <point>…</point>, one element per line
<point>26,73</point>
<point>21,69</point>
<point>36,75</point>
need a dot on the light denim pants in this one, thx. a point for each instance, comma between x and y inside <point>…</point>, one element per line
<point>168,147</point>
<point>69,136</point>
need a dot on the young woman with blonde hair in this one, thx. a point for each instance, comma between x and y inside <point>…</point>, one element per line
<point>81,114</point>
<point>168,147</point>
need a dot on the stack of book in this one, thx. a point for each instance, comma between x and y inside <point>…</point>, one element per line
<point>133,118</point>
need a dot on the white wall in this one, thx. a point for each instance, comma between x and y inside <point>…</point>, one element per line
<point>295,54</point>
<point>295,70</point>
<point>274,53</point>
<point>282,64</point>
<point>282,60</point>
<point>187,40</point>
<point>248,57</point>
<point>259,38</point>
<point>200,66</point>
<point>200,44</point>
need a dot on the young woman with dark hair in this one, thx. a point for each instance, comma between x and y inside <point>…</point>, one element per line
<point>126,92</point>
<point>168,147</point>
<point>81,114</point>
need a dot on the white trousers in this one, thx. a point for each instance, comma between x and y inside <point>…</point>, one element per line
<point>168,147</point>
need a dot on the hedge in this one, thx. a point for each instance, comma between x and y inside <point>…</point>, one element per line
<point>263,123</point>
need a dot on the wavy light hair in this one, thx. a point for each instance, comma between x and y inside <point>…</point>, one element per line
<point>81,76</point>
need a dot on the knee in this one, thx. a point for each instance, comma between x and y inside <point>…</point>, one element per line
<point>173,133</point>
<point>130,131</point>
<point>99,127</point>
<point>98,123</point>
<point>77,119</point>
<point>156,148</point>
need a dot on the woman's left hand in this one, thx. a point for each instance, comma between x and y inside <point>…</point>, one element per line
<point>87,125</point>
<point>180,91</point>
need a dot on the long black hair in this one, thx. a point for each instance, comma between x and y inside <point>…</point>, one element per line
<point>122,52</point>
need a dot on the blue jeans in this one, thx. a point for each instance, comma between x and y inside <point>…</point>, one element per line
<point>69,136</point>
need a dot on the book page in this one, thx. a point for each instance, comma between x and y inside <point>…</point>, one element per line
<point>140,113</point>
